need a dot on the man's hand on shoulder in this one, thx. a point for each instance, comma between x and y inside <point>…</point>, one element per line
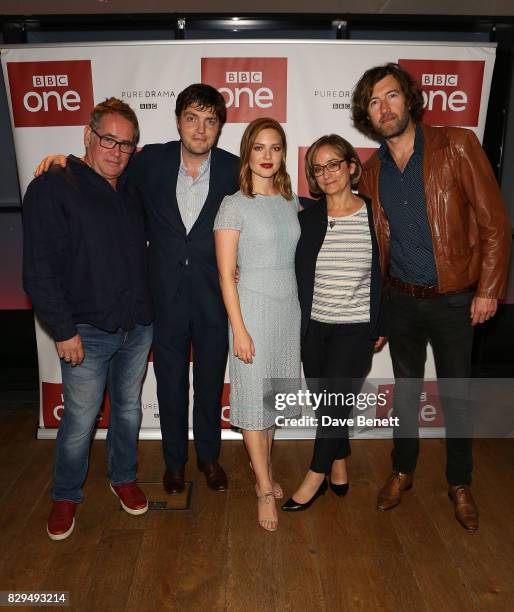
<point>482,309</point>
<point>71,350</point>
<point>47,162</point>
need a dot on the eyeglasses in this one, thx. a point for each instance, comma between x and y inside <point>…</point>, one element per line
<point>334,165</point>
<point>108,142</point>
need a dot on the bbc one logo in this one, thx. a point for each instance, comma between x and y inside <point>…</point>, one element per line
<point>452,89</point>
<point>253,87</point>
<point>50,93</point>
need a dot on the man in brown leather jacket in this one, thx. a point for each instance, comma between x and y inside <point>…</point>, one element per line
<point>444,239</point>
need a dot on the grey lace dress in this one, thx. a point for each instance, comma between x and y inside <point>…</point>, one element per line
<point>269,231</point>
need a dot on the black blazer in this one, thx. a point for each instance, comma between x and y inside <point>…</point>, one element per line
<point>173,252</point>
<point>313,222</point>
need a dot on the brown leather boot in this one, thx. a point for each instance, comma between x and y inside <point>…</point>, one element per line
<point>390,494</point>
<point>466,511</point>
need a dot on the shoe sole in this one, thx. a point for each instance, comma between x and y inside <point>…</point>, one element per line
<point>130,510</point>
<point>174,491</point>
<point>397,503</point>
<point>217,489</point>
<point>303,507</point>
<point>60,536</point>
<point>468,529</point>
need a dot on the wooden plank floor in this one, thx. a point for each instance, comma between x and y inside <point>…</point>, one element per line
<point>342,554</point>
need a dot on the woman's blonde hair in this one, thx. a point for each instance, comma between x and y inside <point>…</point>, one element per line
<point>281,180</point>
<point>344,150</point>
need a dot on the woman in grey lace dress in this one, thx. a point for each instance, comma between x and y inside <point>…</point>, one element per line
<point>257,230</point>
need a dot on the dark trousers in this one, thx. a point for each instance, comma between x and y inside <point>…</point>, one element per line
<point>189,325</point>
<point>445,321</point>
<point>339,355</point>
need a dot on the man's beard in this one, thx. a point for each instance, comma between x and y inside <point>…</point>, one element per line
<point>395,128</point>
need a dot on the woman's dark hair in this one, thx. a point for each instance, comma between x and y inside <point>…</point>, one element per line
<point>364,88</point>
<point>344,150</point>
<point>204,97</point>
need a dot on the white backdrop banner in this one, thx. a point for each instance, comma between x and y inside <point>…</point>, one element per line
<point>306,86</point>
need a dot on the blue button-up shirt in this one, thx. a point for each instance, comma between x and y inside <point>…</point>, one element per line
<point>402,196</point>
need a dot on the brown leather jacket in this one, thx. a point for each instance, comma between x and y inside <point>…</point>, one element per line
<point>471,232</point>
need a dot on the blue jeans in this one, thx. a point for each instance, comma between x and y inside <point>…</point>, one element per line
<point>118,359</point>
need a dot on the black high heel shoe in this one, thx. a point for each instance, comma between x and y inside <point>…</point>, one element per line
<point>339,489</point>
<point>293,506</point>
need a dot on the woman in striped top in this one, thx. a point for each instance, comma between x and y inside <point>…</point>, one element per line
<point>339,287</point>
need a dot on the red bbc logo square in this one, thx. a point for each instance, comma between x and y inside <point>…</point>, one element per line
<point>53,406</point>
<point>51,93</point>
<point>365,153</point>
<point>451,89</point>
<point>430,409</point>
<point>253,87</point>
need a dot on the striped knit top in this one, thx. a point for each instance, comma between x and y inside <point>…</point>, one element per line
<point>343,271</point>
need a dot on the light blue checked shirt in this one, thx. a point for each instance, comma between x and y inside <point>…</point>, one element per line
<point>191,194</point>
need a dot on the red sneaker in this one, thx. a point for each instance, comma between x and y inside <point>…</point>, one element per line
<point>132,499</point>
<point>61,520</point>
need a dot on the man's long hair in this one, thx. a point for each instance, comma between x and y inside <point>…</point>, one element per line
<point>364,88</point>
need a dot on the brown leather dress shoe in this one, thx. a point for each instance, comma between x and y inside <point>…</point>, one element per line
<point>466,511</point>
<point>390,494</point>
<point>215,476</point>
<point>173,481</point>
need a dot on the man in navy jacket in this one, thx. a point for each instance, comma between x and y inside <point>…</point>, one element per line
<point>183,183</point>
